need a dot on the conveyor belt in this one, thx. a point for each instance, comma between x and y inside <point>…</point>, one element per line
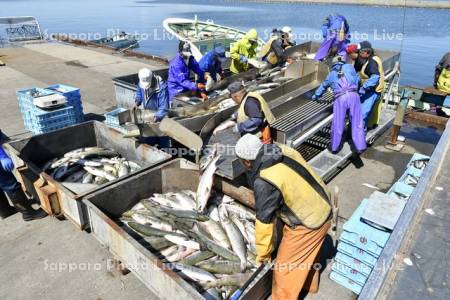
<point>295,122</point>
<point>302,113</point>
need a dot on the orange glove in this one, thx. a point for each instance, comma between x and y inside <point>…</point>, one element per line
<point>201,86</point>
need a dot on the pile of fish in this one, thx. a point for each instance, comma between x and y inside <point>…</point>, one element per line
<point>210,245</point>
<point>220,99</point>
<point>90,166</point>
<point>206,237</point>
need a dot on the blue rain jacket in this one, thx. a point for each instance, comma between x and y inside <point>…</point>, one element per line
<point>157,101</point>
<point>335,83</point>
<point>179,72</point>
<point>209,63</point>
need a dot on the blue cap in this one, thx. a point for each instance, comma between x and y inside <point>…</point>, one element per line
<point>220,53</point>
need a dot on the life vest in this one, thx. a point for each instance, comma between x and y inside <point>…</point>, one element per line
<point>264,134</point>
<point>268,116</point>
<point>443,82</point>
<point>380,87</point>
<point>305,196</point>
<point>266,53</point>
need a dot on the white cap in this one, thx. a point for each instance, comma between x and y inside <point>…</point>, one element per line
<point>145,75</point>
<point>248,146</point>
<point>287,29</point>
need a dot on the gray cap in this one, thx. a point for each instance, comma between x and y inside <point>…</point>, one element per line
<point>248,146</point>
<point>235,87</point>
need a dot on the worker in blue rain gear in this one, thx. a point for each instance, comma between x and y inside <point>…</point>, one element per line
<point>10,186</point>
<point>370,70</point>
<point>335,32</point>
<point>152,94</point>
<point>179,73</point>
<point>211,66</point>
<point>344,82</point>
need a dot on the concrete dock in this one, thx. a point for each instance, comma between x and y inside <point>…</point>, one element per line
<point>52,259</point>
<point>43,64</point>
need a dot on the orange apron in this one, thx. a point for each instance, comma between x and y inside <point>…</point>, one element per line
<point>296,265</point>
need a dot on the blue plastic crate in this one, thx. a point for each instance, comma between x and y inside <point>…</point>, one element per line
<point>66,90</point>
<point>41,130</point>
<point>112,119</point>
<point>349,273</point>
<point>402,189</point>
<point>30,94</point>
<point>346,282</point>
<point>362,235</point>
<point>357,253</point>
<point>354,264</point>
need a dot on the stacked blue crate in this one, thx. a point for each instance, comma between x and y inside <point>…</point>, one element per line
<point>41,121</point>
<point>73,97</point>
<point>360,244</point>
<point>112,119</point>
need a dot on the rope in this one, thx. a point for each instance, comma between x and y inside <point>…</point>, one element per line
<point>403,29</point>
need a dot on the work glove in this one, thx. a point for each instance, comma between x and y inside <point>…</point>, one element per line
<point>243,59</point>
<point>264,241</point>
<point>201,86</point>
<point>362,91</point>
<point>7,164</point>
<point>314,98</point>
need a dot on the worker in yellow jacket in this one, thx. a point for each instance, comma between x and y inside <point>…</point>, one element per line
<point>285,186</point>
<point>242,50</point>
<point>442,74</point>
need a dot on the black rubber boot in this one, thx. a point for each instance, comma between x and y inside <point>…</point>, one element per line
<point>5,209</point>
<point>23,205</point>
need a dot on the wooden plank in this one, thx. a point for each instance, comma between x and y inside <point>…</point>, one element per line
<point>428,118</point>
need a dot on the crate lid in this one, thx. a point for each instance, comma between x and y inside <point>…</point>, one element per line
<point>370,233</point>
<point>383,211</point>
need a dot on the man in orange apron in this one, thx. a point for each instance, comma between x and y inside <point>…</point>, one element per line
<point>285,186</point>
<point>253,115</point>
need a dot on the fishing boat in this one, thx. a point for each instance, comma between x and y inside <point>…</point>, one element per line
<point>20,29</point>
<point>203,36</point>
<point>119,41</point>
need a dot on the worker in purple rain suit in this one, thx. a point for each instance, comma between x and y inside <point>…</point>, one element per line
<point>344,81</point>
<point>335,31</point>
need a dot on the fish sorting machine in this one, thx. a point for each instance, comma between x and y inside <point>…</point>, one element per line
<point>31,154</point>
<point>107,205</point>
<point>299,120</point>
<point>182,110</point>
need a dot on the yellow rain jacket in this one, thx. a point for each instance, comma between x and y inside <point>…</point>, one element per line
<point>243,47</point>
<point>443,83</point>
